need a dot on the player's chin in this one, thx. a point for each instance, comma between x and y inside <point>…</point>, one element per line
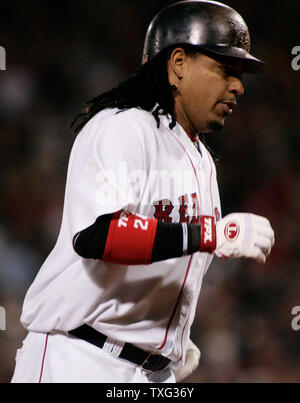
<point>215,125</point>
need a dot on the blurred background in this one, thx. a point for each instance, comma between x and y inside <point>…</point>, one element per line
<point>59,56</point>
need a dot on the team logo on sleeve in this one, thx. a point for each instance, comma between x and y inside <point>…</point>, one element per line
<point>231,231</point>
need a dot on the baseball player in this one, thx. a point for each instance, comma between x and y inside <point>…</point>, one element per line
<point>115,299</point>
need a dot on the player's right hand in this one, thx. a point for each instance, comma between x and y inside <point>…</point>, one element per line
<point>191,362</point>
<point>244,235</point>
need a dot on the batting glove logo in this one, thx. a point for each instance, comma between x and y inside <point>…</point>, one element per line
<point>231,231</point>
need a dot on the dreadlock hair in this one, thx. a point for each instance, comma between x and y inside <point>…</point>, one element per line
<point>148,86</point>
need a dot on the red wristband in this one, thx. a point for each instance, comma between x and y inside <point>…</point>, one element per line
<point>208,234</point>
<point>130,239</point>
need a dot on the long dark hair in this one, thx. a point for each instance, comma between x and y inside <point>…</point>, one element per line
<point>148,86</point>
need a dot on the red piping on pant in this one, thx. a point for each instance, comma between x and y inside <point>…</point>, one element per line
<point>43,360</point>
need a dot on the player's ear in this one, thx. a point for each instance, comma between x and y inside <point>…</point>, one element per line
<point>177,63</point>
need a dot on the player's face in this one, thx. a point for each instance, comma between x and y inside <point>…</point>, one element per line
<point>207,90</point>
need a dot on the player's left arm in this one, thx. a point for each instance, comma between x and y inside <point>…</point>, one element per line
<point>131,239</point>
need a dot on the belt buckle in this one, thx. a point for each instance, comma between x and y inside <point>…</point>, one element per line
<point>156,366</point>
<point>146,360</point>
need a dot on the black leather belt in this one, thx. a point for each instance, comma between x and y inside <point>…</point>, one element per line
<point>148,361</point>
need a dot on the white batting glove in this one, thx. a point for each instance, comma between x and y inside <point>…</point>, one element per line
<point>238,235</point>
<point>191,362</point>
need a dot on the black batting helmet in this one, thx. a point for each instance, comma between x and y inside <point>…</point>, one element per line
<point>209,25</point>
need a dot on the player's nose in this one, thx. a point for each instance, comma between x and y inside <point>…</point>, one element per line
<point>236,86</point>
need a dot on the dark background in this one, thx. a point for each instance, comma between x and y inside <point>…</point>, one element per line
<point>60,55</point>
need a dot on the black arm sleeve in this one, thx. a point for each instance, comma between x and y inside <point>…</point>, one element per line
<point>168,243</point>
<point>90,243</point>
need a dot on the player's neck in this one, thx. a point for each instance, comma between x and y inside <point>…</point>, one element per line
<point>182,119</point>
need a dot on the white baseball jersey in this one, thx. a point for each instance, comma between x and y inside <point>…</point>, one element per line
<point>123,161</point>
